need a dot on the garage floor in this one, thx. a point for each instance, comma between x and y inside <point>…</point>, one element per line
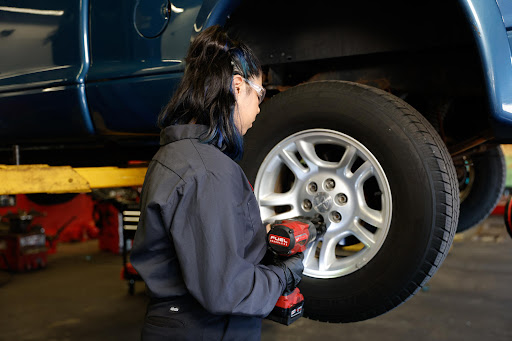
<point>80,296</point>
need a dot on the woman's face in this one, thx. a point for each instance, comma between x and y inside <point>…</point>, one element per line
<point>247,101</point>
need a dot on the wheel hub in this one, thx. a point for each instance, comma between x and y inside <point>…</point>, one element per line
<point>322,202</point>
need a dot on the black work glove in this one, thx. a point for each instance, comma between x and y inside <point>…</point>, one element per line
<point>293,269</point>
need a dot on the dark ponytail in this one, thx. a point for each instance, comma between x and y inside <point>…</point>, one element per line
<point>205,94</point>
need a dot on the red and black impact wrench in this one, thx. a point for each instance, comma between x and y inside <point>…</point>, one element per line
<point>286,238</point>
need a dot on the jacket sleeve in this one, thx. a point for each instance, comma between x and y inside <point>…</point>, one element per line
<point>208,230</point>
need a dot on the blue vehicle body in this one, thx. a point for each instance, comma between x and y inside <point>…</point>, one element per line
<point>81,66</point>
<point>492,28</point>
<point>93,59</point>
<point>112,65</point>
<point>42,62</point>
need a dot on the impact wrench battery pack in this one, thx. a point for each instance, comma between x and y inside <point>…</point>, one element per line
<point>288,309</point>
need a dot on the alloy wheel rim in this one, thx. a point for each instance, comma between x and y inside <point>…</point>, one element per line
<point>325,172</point>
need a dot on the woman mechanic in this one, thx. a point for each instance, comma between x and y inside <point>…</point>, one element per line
<point>200,241</point>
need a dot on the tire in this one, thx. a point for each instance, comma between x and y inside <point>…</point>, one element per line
<point>482,180</point>
<point>402,172</point>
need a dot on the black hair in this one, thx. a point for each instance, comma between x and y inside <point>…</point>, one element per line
<point>205,94</point>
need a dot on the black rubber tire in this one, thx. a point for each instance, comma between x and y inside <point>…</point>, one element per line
<point>490,172</point>
<point>423,186</point>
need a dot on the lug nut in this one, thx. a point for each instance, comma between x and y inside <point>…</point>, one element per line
<point>341,199</point>
<point>335,217</point>
<point>307,205</point>
<point>329,184</point>
<point>312,187</point>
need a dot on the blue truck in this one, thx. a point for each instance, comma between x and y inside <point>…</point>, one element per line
<point>384,118</point>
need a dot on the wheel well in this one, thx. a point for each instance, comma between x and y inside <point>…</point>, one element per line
<point>422,52</point>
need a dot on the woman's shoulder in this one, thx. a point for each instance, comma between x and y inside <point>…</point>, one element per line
<point>214,160</point>
<point>192,159</point>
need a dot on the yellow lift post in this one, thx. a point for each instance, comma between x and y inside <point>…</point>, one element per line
<point>25,179</point>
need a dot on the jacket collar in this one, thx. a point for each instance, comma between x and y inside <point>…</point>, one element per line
<point>181,131</point>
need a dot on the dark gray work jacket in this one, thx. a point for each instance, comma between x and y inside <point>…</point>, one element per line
<point>200,230</point>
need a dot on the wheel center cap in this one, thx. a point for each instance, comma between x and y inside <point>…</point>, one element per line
<point>322,202</point>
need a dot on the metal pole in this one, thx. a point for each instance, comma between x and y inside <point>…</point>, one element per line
<point>16,154</point>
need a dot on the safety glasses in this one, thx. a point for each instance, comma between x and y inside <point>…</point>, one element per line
<point>260,91</point>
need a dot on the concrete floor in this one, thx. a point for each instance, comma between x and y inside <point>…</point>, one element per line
<point>80,296</point>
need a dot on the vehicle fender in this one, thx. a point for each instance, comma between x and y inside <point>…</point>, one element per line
<point>494,48</point>
<point>214,12</point>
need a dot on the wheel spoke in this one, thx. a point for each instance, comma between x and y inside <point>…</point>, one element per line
<point>291,161</point>
<point>294,212</point>
<point>308,153</point>
<point>278,199</point>
<point>310,255</point>
<point>362,174</point>
<point>348,159</point>
<point>371,216</point>
<point>364,236</point>
<point>327,253</point>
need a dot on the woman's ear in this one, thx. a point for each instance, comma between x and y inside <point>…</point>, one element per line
<point>237,83</point>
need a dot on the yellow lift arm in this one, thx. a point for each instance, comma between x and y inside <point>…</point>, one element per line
<point>25,179</point>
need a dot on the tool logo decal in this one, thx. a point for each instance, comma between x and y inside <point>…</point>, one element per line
<point>296,311</point>
<point>278,240</point>
<point>301,237</point>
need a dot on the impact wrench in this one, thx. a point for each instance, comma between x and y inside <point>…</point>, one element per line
<point>287,238</point>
